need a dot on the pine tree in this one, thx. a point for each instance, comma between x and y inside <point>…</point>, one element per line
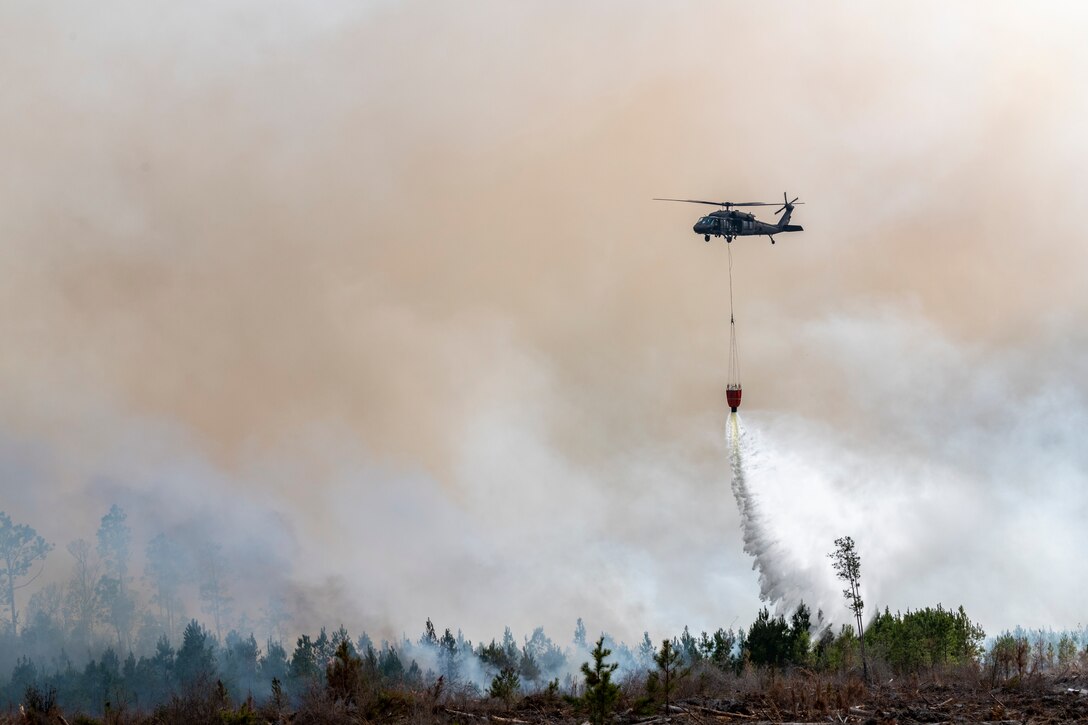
<point>688,646</point>
<point>646,651</point>
<point>279,700</point>
<point>430,637</point>
<point>274,663</point>
<point>114,539</point>
<point>800,637</point>
<point>847,564</point>
<point>195,660</point>
<point>303,667</point>
<point>344,674</point>
<point>668,662</point>
<point>81,604</point>
<point>601,693</point>
<point>449,661</point>
<point>768,641</point>
<point>721,653</point>
<point>162,666</point>
<point>165,570</point>
<point>119,608</point>
<point>505,686</point>
<point>528,666</point>
<point>390,666</point>
<point>510,652</point>
<point>580,634</point>
<point>213,576</point>
<point>20,547</point>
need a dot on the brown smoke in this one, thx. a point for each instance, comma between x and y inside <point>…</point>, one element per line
<point>390,222</point>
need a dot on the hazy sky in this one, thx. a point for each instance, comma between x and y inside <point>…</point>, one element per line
<point>376,295</point>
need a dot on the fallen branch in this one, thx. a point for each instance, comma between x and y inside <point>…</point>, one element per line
<point>451,711</point>
<point>686,711</point>
<point>722,713</point>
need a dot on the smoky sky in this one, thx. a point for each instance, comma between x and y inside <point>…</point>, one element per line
<point>376,294</point>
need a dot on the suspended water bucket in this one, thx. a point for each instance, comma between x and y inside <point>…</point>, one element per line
<point>732,396</point>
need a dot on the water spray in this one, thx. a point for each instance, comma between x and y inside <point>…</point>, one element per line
<point>768,558</point>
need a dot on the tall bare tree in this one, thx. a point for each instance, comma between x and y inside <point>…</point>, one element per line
<point>20,547</point>
<point>847,565</point>
<point>119,606</point>
<point>114,539</point>
<point>165,569</point>
<point>81,605</point>
<point>213,577</point>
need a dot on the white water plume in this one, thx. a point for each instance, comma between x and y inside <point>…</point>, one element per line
<point>778,584</point>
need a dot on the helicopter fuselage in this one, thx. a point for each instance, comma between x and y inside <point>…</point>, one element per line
<point>730,223</point>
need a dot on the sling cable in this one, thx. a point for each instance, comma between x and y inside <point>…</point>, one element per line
<point>732,386</point>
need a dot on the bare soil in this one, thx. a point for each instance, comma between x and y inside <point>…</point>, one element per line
<point>1055,700</point>
<point>797,698</point>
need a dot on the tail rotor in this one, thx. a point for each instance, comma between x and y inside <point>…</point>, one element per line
<point>788,204</point>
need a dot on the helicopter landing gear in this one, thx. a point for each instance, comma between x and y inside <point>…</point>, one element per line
<point>729,240</point>
<point>772,238</point>
<point>706,237</point>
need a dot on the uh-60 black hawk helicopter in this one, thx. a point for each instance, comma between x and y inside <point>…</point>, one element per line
<point>729,223</point>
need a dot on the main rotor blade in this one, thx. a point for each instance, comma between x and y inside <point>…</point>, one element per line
<point>722,203</point>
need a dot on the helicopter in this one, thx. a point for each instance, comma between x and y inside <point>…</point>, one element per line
<point>729,223</point>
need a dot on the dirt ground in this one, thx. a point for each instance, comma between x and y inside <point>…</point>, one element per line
<point>1044,701</point>
<point>792,699</point>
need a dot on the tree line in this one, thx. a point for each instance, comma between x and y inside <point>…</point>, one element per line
<point>358,670</point>
<point>103,601</point>
<point>138,657</point>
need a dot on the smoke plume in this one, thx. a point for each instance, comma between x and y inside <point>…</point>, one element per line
<point>374,296</point>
